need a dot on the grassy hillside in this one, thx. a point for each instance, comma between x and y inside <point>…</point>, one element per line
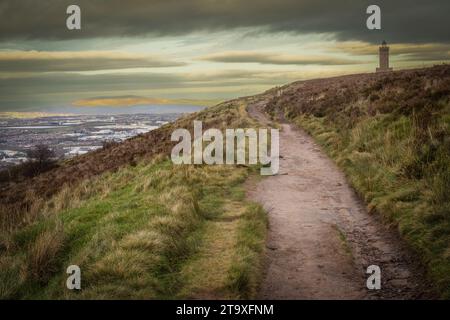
<point>145,229</point>
<point>22,198</point>
<point>390,133</point>
<point>140,227</point>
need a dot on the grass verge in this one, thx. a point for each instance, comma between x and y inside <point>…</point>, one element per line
<point>376,156</point>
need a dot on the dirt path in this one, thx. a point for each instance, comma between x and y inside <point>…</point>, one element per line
<point>321,238</point>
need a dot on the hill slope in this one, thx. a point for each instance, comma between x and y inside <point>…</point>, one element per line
<point>138,226</point>
<point>141,227</point>
<point>390,133</point>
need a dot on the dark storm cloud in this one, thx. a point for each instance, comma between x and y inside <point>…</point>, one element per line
<point>402,20</point>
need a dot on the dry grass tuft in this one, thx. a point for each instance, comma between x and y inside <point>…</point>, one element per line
<point>42,257</point>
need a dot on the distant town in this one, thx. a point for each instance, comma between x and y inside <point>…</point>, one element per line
<point>72,135</point>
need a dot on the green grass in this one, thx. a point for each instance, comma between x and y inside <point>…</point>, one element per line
<point>156,233</point>
<point>151,230</point>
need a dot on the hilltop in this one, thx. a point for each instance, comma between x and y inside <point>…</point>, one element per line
<point>125,210</point>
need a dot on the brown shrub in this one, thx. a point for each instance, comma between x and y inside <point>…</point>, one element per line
<point>108,144</point>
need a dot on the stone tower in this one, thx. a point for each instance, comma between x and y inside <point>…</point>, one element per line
<point>384,58</point>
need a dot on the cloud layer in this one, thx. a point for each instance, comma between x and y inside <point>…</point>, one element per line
<point>402,51</point>
<point>402,20</point>
<point>39,61</point>
<point>201,48</point>
<point>276,59</point>
<point>53,89</point>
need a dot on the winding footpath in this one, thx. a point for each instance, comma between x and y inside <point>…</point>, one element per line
<point>321,238</point>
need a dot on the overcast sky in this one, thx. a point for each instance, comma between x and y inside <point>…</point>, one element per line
<point>201,49</point>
